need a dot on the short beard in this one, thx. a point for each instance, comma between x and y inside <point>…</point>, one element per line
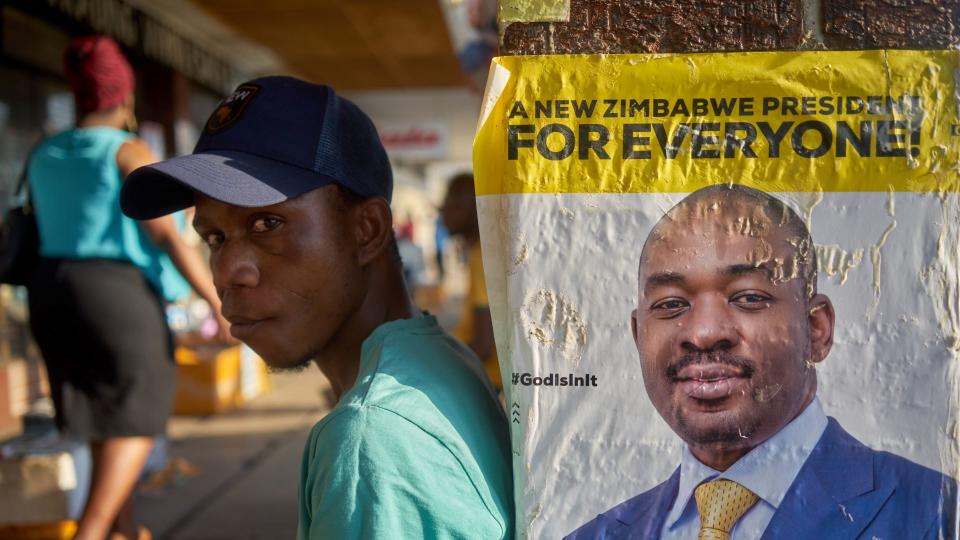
<point>299,367</point>
<point>734,432</point>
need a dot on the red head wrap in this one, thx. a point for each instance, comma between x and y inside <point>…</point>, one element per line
<point>98,73</point>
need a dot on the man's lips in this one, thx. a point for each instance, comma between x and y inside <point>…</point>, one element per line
<point>710,381</point>
<point>242,327</point>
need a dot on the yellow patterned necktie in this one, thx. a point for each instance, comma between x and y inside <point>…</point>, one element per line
<point>720,504</point>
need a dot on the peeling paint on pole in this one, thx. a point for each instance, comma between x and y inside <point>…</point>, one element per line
<point>527,11</point>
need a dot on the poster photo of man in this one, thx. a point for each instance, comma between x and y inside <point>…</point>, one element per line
<point>729,326</point>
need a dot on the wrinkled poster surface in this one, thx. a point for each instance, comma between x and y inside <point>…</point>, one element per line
<point>726,276</point>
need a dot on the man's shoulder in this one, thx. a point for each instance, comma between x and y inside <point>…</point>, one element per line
<point>921,486</point>
<point>359,423</point>
<point>906,472</point>
<point>376,431</point>
<point>386,468</point>
<point>842,448</point>
<point>888,494</point>
<point>426,375</point>
<point>638,517</point>
<point>415,387</point>
<point>422,343</point>
<point>352,440</point>
<point>920,495</point>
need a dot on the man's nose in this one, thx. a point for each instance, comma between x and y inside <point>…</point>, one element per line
<point>233,266</point>
<point>709,325</point>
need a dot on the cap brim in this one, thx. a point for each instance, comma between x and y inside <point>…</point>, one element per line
<point>235,178</point>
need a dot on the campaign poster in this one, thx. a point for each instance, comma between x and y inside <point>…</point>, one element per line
<point>724,289</point>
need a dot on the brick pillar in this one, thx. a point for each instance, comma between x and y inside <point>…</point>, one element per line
<point>638,26</point>
<point>877,24</point>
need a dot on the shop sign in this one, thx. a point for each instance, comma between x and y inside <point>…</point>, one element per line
<point>140,32</point>
<point>415,141</point>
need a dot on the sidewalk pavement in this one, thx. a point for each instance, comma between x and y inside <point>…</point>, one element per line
<point>235,475</point>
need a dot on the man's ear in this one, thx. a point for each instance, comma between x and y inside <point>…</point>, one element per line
<point>821,317</point>
<point>633,329</point>
<point>373,227</point>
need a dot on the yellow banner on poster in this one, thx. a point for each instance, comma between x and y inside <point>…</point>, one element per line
<point>778,121</point>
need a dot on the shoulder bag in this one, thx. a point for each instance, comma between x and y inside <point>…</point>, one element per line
<point>19,238</point>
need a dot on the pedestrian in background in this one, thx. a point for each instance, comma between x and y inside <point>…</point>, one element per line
<point>440,241</point>
<point>411,256</point>
<point>475,327</point>
<point>97,298</point>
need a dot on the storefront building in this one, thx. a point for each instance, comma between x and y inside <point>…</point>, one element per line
<point>178,82</point>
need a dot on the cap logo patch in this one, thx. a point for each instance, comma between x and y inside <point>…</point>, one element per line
<point>231,108</point>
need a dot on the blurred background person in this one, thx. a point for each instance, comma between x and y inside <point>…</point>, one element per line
<point>97,299</point>
<point>411,256</point>
<point>475,327</point>
<point>440,244</point>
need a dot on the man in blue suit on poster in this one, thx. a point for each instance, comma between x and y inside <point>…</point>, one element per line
<point>729,328</point>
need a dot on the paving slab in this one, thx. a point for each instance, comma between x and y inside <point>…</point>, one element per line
<point>247,465</point>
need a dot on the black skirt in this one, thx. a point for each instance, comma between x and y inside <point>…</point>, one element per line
<point>102,331</point>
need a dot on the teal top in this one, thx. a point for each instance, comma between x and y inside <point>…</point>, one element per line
<point>418,448</point>
<point>75,188</point>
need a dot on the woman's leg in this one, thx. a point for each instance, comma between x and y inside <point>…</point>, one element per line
<point>124,527</point>
<point>117,463</point>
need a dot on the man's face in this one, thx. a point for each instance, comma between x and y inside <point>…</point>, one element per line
<point>287,274</point>
<point>726,334</point>
<point>459,210</point>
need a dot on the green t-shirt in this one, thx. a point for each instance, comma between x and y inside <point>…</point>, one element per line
<point>418,448</point>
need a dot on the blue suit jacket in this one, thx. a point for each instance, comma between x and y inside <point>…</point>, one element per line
<point>844,491</point>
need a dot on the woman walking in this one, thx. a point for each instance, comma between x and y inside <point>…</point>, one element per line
<point>96,301</point>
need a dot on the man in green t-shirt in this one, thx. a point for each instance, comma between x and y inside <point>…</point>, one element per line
<point>292,190</point>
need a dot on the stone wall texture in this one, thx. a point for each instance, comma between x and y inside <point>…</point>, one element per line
<point>631,26</point>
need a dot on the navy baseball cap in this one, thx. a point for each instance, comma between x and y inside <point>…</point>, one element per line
<point>273,139</point>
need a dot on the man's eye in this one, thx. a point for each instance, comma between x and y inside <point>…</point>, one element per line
<point>212,239</point>
<point>669,304</point>
<point>265,224</point>
<point>752,300</point>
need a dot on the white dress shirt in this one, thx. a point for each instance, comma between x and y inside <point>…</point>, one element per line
<point>768,471</point>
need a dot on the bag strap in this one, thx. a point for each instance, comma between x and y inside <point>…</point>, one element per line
<point>22,181</point>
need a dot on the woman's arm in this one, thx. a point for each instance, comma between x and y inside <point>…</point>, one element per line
<point>163,231</point>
